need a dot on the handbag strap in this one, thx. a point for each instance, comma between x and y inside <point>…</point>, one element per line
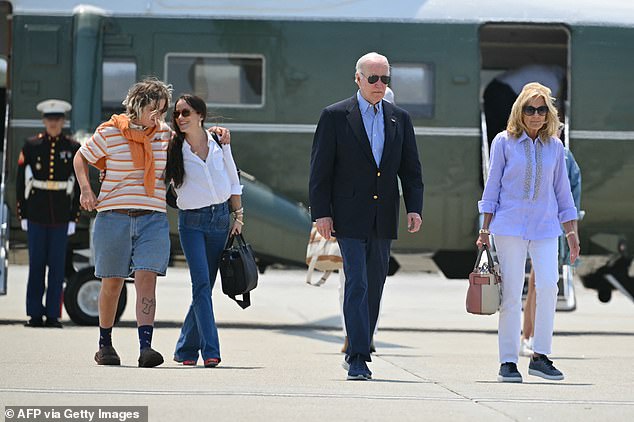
<point>309,274</point>
<point>484,248</point>
<point>229,242</point>
<point>477,261</point>
<point>241,240</point>
<point>232,237</point>
<point>489,258</point>
<point>245,302</point>
<point>311,268</point>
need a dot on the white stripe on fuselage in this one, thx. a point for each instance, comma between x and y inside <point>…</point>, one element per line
<point>418,130</point>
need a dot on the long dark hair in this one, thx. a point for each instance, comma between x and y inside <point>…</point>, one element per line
<point>175,169</point>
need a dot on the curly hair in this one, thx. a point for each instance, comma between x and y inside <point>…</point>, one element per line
<point>516,125</point>
<point>150,90</point>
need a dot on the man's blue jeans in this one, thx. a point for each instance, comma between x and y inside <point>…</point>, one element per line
<point>203,233</point>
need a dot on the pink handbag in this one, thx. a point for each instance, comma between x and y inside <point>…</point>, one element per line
<point>483,295</point>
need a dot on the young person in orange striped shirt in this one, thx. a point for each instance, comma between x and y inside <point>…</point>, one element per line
<point>131,230</point>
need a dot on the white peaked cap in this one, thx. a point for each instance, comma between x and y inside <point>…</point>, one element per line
<point>53,107</point>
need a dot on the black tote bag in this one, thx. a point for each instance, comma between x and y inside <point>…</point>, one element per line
<point>238,270</point>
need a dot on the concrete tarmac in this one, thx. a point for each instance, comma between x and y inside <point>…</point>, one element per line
<point>281,358</point>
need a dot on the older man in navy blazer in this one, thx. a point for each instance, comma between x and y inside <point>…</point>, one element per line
<point>362,146</point>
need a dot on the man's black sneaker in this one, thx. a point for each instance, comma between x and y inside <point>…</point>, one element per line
<point>541,366</point>
<point>509,373</point>
<point>358,370</point>
<point>107,356</point>
<point>149,358</point>
<point>346,365</point>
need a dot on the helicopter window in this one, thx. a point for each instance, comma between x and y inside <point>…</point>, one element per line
<point>221,80</point>
<point>413,86</point>
<point>118,76</point>
<point>43,43</point>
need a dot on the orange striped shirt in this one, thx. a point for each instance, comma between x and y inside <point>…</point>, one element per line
<point>122,188</point>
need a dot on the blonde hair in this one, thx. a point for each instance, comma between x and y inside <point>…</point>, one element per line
<point>516,125</point>
<point>148,91</point>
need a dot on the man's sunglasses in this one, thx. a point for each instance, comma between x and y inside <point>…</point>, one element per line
<point>530,110</point>
<point>374,78</point>
<point>185,113</point>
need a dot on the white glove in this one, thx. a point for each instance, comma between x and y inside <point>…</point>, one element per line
<point>25,224</point>
<point>71,228</point>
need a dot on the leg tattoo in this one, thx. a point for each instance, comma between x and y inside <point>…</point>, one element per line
<point>148,305</point>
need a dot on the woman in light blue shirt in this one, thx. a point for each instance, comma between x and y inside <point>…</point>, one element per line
<point>526,198</point>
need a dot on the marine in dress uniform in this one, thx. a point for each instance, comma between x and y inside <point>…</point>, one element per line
<point>48,209</point>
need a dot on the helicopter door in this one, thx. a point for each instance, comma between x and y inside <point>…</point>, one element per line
<point>5,12</point>
<point>507,47</point>
<point>4,210</point>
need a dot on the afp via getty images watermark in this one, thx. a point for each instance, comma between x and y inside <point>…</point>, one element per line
<point>76,413</point>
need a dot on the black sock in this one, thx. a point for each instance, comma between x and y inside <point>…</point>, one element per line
<point>145,336</point>
<point>105,337</point>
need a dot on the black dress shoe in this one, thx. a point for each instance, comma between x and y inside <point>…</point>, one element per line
<point>53,323</point>
<point>34,322</point>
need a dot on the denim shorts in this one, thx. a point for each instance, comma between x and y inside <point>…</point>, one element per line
<point>125,244</point>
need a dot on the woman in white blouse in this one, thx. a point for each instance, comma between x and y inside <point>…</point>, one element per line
<point>206,182</point>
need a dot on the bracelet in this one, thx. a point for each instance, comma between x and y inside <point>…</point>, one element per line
<point>239,222</point>
<point>570,234</point>
<point>239,211</point>
<point>484,231</point>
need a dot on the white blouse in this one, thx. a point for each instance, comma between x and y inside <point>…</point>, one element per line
<point>208,182</point>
